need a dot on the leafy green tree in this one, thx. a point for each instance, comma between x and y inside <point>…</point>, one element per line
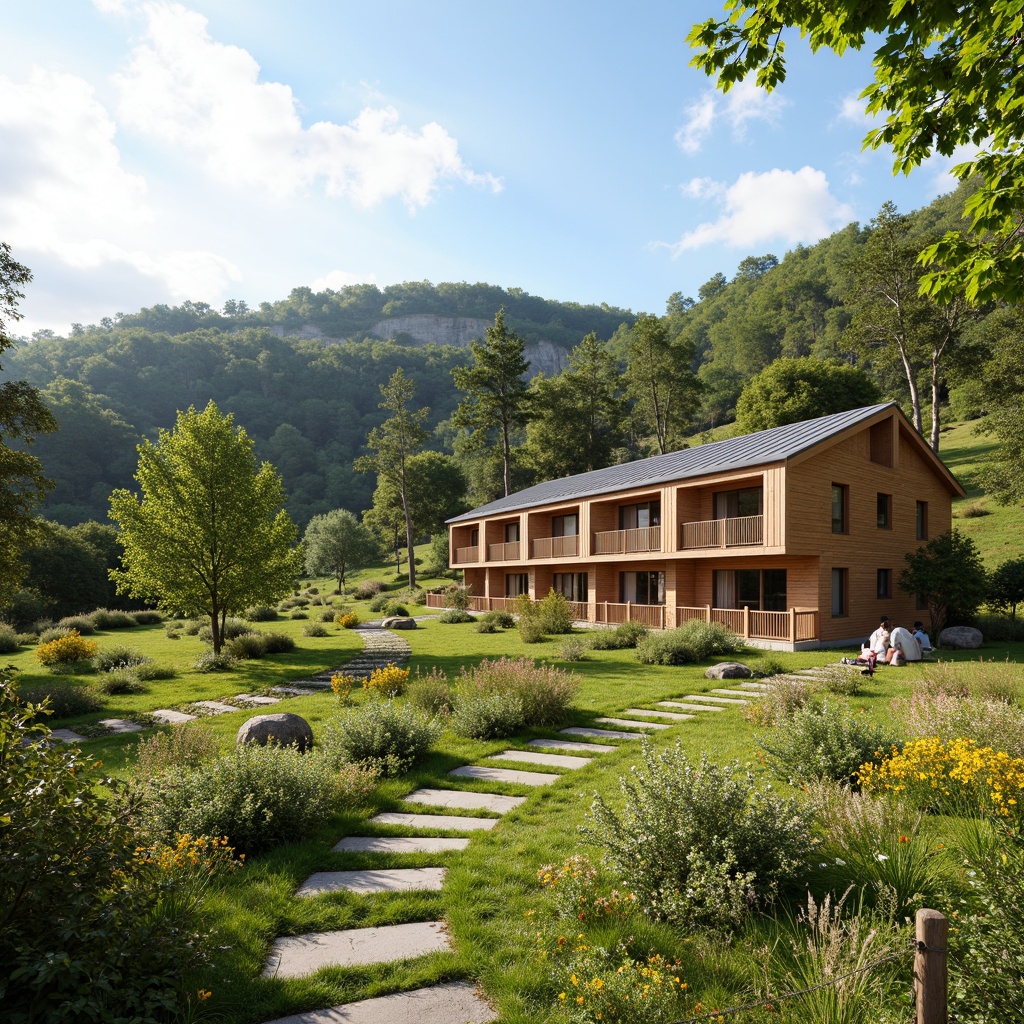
<point>791,390</point>
<point>394,443</point>
<point>496,392</point>
<point>944,77</point>
<point>336,543</point>
<point>949,575</point>
<point>22,415</point>
<point>1006,585</point>
<point>207,534</point>
<point>659,380</point>
<point>67,571</point>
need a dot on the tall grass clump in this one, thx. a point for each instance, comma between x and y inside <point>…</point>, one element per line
<point>691,642</point>
<point>181,747</point>
<point>82,623</point>
<point>431,693</point>
<point>108,618</point>
<point>65,700</point>
<point>987,721</point>
<point>546,693</point>
<point>8,639</point>
<point>383,736</point>
<point>486,716</point>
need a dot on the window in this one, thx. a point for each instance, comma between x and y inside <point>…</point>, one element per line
<point>642,587</point>
<point>511,533</point>
<point>739,504</point>
<point>565,526</point>
<point>571,585</point>
<point>517,583</point>
<point>884,511</point>
<point>922,520</point>
<point>840,494</point>
<point>474,537</point>
<point>759,589</point>
<point>839,592</point>
<point>637,517</point>
<point>884,583</point>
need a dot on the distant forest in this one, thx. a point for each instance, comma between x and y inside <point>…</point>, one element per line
<point>310,404</point>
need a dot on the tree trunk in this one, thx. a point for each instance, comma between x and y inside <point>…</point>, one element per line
<point>215,631</point>
<point>506,455</point>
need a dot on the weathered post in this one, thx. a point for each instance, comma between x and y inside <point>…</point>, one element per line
<point>930,967</point>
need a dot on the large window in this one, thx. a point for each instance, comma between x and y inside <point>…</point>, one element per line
<point>565,526</point>
<point>757,589</point>
<point>840,508</point>
<point>738,504</point>
<point>572,585</point>
<point>922,520</point>
<point>642,587</point>
<point>511,533</point>
<point>636,517</point>
<point>517,583</point>
<point>839,593</point>
<point>884,503</point>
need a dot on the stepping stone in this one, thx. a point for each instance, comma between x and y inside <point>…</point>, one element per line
<point>601,734</point>
<point>400,844</point>
<point>216,707</point>
<point>532,757</point>
<point>381,880</point>
<point>760,687</point>
<point>296,955</point>
<point>713,700</point>
<point>454,1002</point>
<point>479,771</point>
<point>687,707</point>
<point>172,717</point>
<point>648,712</point>
<point>442,821</point>
<point>466,800</point>
<point>120,725</point>
<point>251,698</point>
<point>295,691</point>
<point>630,722</point>
<point>733,693</point>
<point>596,748</point>
<point>66,735</point>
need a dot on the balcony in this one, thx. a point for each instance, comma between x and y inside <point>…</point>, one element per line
<point>471,554</point>
<point>722,533</point>
<point>507,552</point>
<point>619,542</point>
<point>555,547</point>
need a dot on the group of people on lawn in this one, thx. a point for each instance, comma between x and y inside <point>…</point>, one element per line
<point>894,646</point>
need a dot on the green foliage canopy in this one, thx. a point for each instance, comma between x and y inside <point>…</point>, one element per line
<point>949,575</point>
<point>336,543</point>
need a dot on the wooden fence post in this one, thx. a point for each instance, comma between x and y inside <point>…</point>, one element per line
<point>930,968</point>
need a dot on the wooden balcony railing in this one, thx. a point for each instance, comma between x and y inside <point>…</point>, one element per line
<point>792,626</point>
<point>652,615</point>
<point>507,552</point>
<point>617,542</point>
<point>722,533</point>
<point>467,554</point>
<point>555,547</point>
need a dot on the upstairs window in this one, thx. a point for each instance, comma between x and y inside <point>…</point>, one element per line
<point>922,520</point>
<point>637,517</point>
<point>739,504</point>
<point>840,508</point>
<point>884,511</point>
<point>511,533</point>
<point>565,526</point>
<point>884,583</point>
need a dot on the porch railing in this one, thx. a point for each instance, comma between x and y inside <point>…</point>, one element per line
<point>722,533</point>
<point>617,542</point>
<point>467,554</point>
<point>507,552</point>
<point>652,615</point>
<point>556,547</point>
<point>792,626</point>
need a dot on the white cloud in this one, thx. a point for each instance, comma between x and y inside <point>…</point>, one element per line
<point>744,103</point>
<point>196,93</point>
<point>338,279</point>
<point>854,110</point>
<point>793,206</point>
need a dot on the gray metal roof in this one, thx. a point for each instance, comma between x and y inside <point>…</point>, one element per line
<point>772,445</point>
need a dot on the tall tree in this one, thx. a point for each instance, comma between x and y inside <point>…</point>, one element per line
<point>949,575</point>
<point>496,392</point>
<point>336,543</point>
<point>394,443</point>
<point>659,379</point>
<point>22,415</point>
<point>207,534</point>
<point>946,75</point>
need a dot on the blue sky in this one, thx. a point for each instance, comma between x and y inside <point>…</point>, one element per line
<point>155,151</point>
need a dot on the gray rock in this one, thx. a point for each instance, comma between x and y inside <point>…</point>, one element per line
<point>728,670</point>
<point>283,728</point>
<point>398,622</point>
<point>965,638</point>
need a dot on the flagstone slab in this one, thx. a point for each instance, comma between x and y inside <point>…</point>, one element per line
<point>479,771</point>
<point>651,713</point>
<point>66,735</point>
<point>466,800</point>
<point>455,1002</point>
<point>733,693</point>
<point>380,880</point>
<point>442,821</point>
<point>216,706</point>
<point>534,757</point>
<point>712,699</point>
<point>252,698</point>
<point>601,734</point>
<point>631,723</point>
<point>120,725</point>
<point>596,748</point>
<point>169,717</point>
<point>297,955</point>
<point>400,844</point>
<point>688,707</point>
<point>755,686</point>
<point>295,691</point>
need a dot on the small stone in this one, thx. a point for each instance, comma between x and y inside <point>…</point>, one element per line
<point>398,622</point>
<point>965,638</point>
<point>283,728</point>
<point>728,670</point>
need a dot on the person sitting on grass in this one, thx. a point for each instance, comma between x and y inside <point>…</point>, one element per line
<point>922,638</point>
<point>905,647</point>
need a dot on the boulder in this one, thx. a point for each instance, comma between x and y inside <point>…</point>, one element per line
<point>286,729</point>
<point>398,622</point>
<point>965,638</point>
<point>728,670</point>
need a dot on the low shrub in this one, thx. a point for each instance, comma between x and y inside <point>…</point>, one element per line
<point>454,615</point>
<point>486,716</point>
<point>393,608</point>
<point>997,680</point>
<point>191,627</point>
<point>120,680</point>
<point>278,643</point>
<point>484,626</point>
<point>387,737</point>
<point>26,639</point>
<point>546,693</point>
<point>699,844</point>
<point>52,633</point>
<point>769,665</point>
<point>389,681</point>
<point>503,620</point>
<point>779,702</point>
<point>573,648</point>
<point>107,618</point>
<point>327,615</point>
<point>173,631</point>
<point>231,628</point>
<point>1001,628</point>
<point>65,700</point>
<point>80,622</point>
<point>431,693</point>
<point>378,602</point>
<point>298,615</point>
<point>210,662</point>
<point>457,597</point>
<point>347,620</point>
<point>989,722</point>
<point>841,680</point>
<point>342,686</point>
<point>260,613</point>
<point>693,641</point>
<point>823,741</point>
<point>314,629</point>
<point>259,797</point>
<point>152,672</point>
<point>147,617</point>
<point>530,629</point>
<point>368,589</point>
<point>66,650</point>
<point>109,658</point>
<point>182,746</point>
<point>247,646</point>
<point>625,635</point>
<point>555,614</point>
<point>9,641</point>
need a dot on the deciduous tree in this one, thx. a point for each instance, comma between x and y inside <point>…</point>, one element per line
<point>1007,585</point>
<point>949,575</point>
<point>336,543</point>
<point>206,534</point>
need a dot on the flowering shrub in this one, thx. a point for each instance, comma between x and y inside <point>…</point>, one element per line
<point>341,687</point>
<point>989,722</point>
<point>66,650</point>
<point>110,658</point>
<point>387,737</point>
<point>546,693</point>
<point>573,888</point>
<point>389,681</point>
<point>486,716</point>
<point>206,855</point>
<point>184,746</point>
<point>347,620</point>
<point>779,703</point>
<point>954,776</point>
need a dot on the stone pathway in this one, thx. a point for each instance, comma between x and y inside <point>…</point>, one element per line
<point>381,647</point>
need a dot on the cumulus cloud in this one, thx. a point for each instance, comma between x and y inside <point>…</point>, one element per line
<point>338,279</point>
<point>196,93</point>
<point>792,206</point>
<point>744,103</point>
